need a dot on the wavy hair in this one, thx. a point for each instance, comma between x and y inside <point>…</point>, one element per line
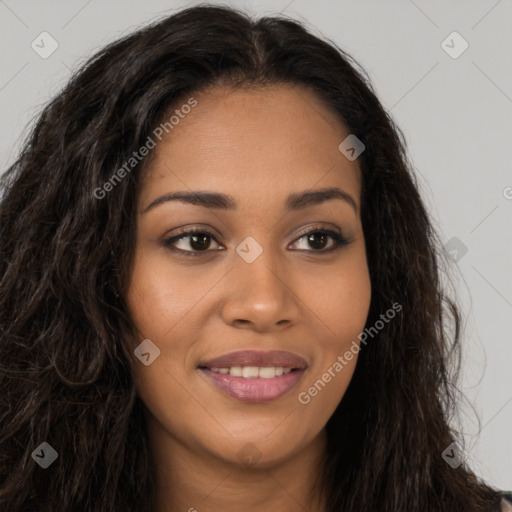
<point>66,257</point>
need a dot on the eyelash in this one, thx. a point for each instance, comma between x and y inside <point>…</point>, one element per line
<point>339,241</point>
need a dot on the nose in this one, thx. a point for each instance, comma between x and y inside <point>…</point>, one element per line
<point>260,295</point>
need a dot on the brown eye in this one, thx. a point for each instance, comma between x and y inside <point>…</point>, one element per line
<point>194,241</point>
<point>200,242</point>
<point>318,239</point>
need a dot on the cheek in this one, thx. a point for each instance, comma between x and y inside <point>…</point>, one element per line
<point>159,297</point>
<point>158,301</point>
<point>339,299</point>
<point>339,304</point>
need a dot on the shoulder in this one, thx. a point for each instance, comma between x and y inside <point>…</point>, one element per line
<point>506,502</point>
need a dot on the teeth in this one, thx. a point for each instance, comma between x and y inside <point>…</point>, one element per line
<point>253,372</point>
<point>250,371</point>
<point>267,372</point>
<point>236,371</point>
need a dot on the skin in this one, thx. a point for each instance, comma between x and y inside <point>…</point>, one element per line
<point>257,146</point>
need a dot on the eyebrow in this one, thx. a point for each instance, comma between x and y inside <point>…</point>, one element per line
<point>215,200</point>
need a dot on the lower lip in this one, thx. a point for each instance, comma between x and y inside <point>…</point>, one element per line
<point>255,390</point>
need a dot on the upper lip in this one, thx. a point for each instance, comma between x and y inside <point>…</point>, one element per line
<point>256,358</point>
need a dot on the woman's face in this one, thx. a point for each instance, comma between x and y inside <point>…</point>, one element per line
<point>253,281</point>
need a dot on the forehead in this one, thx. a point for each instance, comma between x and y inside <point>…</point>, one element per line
<point>251,142</point>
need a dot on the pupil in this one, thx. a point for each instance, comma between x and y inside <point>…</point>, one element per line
<point>313,238</point>
<point>198,246</point>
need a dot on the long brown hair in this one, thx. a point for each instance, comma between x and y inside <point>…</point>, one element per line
<point>66,255</point>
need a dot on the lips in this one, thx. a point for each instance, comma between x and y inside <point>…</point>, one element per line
<point>275,358</point>
<point>254,377</point>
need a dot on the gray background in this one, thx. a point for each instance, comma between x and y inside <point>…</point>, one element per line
<point>455,113</point>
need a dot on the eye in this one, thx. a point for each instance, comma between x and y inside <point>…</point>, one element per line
<point>196,241</point>
<point>319,237</point>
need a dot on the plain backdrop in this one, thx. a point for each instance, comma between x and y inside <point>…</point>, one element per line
<point>453,106</point>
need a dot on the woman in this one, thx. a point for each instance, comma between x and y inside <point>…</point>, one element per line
<point>220,288</point>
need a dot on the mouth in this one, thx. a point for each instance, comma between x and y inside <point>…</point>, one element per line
<point>255,377</point>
